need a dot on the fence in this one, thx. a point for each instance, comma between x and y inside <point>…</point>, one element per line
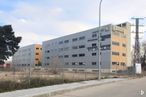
<point>18,75</point>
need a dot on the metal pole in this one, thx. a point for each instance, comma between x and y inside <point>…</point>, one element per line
<point>29,77</point>
<point>99,52</point>
<point>14,70</point>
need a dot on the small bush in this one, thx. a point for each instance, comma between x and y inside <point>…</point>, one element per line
<point>6,86</point>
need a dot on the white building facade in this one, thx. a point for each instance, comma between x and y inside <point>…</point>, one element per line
<point>80,50</point>
<point>27,56</point>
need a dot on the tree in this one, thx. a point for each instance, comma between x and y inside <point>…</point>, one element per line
<point>55,65</point>
<point>8,42</point>
<point>143,61</point>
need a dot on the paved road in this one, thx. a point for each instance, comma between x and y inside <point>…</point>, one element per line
<point>128,88</point>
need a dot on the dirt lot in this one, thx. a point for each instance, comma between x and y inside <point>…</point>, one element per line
<point>20,75</point>
<point>72,75</point>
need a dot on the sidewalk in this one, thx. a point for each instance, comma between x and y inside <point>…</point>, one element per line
<point>56,89</point>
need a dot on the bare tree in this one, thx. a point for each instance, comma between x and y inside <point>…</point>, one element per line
<point>55,65</point>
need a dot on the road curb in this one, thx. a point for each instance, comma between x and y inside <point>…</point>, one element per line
<point>53,93</point>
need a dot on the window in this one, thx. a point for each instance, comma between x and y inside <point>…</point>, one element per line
<point>37,48</point>
<point>66,63</point>
<point>74,55</point>
<point>40,48</point>
<point>93,54</point>
<point>122,63</point>
<point>115,53</point>
<point>37,59</point>
<point>66,56</point>
<point>105,47</point>
<point>95,32</point>
<point>102,30</point>
<point>47,64</point>
<point>92,48</point>
<point>75,47</point>
<point>73,63</point>
<point>66,48</point>
<point>81,63</point>
<point>48,51</point>
<point>60,42</point>
<point>81,46</point>
<point>115,63</point>
<point>48,57</point>
<point>60,49</point>
<point>93,44</point>
<point>36,53</point>
<point>74,39</point>
<point>66,41</point>
<point>81,55</point>
<point>60,56</point>
<point>124,45</point>
<point>82,38</point>
<point>103,37</point>
<point>92,40</point>
<point>115,43</point>
<point>123,54</point>
<point>93,63</point>
<point>94,35</point>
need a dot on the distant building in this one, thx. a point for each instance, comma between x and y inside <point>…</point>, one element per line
<point>28,56</point>
<point>80,50</point>
<point>6,65</point>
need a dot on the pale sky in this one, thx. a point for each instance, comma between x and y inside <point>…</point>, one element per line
<point>40,20</point>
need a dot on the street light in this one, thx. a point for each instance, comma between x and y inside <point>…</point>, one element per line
<point>99,55</point>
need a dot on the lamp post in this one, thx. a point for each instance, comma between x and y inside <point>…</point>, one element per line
<point>99,52</point>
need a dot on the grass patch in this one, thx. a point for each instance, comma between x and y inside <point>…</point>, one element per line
<point>6,86</point>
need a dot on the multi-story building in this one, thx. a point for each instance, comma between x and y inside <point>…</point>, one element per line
<point>80,50</point>
<point>28,56</point>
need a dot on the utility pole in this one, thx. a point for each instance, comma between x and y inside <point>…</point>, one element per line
<point>137,43</point>
<point>99,52</point>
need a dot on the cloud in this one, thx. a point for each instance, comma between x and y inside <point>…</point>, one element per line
<point>69,27</point>
<point>39,23</point>
<point>38,20</point>
<point>115,11</point>
<point>32,38</point>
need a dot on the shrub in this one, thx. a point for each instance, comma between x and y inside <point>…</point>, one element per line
<point>34,82</point>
